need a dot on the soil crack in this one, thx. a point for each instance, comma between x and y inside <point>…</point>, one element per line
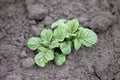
<point>97,75</point>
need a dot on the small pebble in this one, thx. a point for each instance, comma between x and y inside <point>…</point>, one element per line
<point>28,62</point>
<point>37,29</point>
<point>83,19</point>
<point>23,54</point>
<point>32,22</point>
<point>37,11</point>
<point>48,20</point>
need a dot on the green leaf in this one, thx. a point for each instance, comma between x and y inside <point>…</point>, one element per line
<point>65,47</point>
<point>49,55</point>
<point>60,22</point>
<point>59,34</point>
<point>69,43</point>
<point>54,44</point>
<point>43,57</point>
<point>67,35</point>
<point>60,59</point>
<point>39,60</point>
<point>86,36</point>
<point>73,25</point>
<point>46,34</point>
<point>72,34</point>
<point>77,44</point>
<point>45,43</point>
<point>42,49</point>
<point>33,43</point>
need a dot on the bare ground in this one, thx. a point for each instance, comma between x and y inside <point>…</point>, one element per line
<point>21,19</point>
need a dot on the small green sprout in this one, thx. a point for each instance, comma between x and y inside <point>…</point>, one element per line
<point>57,43</point>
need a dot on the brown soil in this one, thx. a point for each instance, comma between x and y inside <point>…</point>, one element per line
<point>21,19</point>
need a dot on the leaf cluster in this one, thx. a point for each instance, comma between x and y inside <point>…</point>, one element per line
<point>57,43</point>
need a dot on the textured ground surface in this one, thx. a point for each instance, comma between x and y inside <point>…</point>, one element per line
<point>21,19</point>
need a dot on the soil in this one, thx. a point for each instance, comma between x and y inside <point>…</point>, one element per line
<point>21,19</point>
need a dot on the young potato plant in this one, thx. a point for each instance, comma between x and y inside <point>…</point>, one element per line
<point>57,43</point>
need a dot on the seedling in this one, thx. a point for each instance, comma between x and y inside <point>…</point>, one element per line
<point>57,43</point>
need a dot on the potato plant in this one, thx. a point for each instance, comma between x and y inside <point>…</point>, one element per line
<point>56,43</point>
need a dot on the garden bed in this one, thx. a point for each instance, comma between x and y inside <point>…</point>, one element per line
<point>20,20</point>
